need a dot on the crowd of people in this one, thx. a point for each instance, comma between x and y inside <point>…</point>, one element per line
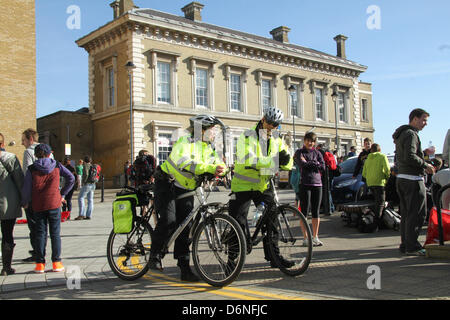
<point>36,185</point>
<point>43,188</point>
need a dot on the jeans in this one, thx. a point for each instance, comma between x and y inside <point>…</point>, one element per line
<point>52,218</point>
<point>86,190</point>
<point>32,227</point>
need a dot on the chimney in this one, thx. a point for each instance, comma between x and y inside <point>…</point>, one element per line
<point>193,11</point>
<point>280,34</point>
<point>340,41</point>
<point>115,6</point>
<point>122,6</point>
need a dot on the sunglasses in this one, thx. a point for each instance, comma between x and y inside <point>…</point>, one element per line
<point>273,124</point>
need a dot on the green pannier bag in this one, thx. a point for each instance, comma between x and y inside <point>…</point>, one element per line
<point>124,213</point>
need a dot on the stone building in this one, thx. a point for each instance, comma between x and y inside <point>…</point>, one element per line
<point>63,128</point>
<point>18,72</point>
<point>185,66</point>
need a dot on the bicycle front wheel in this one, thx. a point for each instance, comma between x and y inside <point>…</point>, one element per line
<point>291,241</point>
<point>219,250</point>
<point>128,254</point>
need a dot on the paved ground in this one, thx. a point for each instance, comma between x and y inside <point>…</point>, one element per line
<point>344,268</point>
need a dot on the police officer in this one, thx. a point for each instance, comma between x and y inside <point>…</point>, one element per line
<point>191,155</point>
<point>260,153</point>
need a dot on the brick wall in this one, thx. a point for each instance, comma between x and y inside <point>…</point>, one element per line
<point>17,70</point>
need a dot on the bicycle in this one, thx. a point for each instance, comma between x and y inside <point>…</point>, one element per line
<point>128,254</point>
<point>215,238</point>
<point>290,230</point>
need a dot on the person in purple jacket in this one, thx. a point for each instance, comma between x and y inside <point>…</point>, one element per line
<point>311,164</point>
<point>41,191</point>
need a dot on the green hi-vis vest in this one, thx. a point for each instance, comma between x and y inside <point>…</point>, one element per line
<point>188,159</point>
<point>262,155</point>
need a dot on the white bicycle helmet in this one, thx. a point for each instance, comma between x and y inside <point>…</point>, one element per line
<point>207,121</point>
<point>273,116</point>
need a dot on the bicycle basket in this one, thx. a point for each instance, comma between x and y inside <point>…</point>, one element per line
<point>124,213</point>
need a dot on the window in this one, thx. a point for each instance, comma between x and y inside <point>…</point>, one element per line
<point>235,92</point>
<point>293,96</point>
<point>164,83</point>
<point>201,90</point>
<point>164,146</point>
<point>364,110</point>
<point>266,88</point>
<point>111,89</point>
<point>319,103</point>
<point>341,107</point>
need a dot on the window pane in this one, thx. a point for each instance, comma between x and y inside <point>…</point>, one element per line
<point>163,87</point>
<point>364,110</point>
<point>202,87</point>
<point>235,91</point>
<point>110,73</point>
<point>294,102</point>
<point>319,104</point>
<point>266,94</point>
<point>341,106</point>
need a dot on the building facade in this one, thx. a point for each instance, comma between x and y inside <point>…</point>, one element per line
<point>185,67</point>
<point>64,128</point>
<point>18,72</point>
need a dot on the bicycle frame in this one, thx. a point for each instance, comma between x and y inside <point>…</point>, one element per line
<point>194,214</point>
<point>254,238</point>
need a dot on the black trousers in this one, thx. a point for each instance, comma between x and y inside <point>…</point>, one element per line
<point>171,214</point>
<point>7,227</point>
<point>310,200</point>
<point>31,222</point>
<point>239,206</point>
<point>379,196</point>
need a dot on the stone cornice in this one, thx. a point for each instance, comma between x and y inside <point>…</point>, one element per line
<point>179,33</point>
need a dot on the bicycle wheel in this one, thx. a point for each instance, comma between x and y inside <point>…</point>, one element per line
<point>219,250</point>
<point>291,241</point>
<point>128,254</point>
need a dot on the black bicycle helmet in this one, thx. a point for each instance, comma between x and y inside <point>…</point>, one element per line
<point>273,116</point>
<point>206,121</point>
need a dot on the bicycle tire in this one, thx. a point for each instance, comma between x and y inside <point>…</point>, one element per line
<point>128,257</point>
<point>220,261</point>
<point>293,252</point>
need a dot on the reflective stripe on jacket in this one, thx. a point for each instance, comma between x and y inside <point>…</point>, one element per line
<point>256,161</point>
<point>188,159</point>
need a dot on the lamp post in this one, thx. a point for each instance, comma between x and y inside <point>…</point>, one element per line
<point>130,67</point>
<point>334,96</point>
<point>292,90</point>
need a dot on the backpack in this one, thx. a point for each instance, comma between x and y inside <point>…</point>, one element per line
<point>391,219</point>
<point>368,222</point>
<point>329,160</point>
<point>143,169</point>
<point>93,175</point>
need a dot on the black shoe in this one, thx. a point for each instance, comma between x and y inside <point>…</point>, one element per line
<point>87,218</point>
<point>155,264</point>
<point>188,275</point>
<point>29,260</point>
<point>284,263</point>
<point>7,272</point>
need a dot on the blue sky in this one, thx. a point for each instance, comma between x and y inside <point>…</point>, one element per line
<point>408,55</point>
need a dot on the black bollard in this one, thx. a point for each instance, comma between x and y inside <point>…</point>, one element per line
<point>103,189</point>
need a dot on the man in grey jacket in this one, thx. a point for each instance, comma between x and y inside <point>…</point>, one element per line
<point>11,181</point>
<point>30,140</point>
<point>410,181</point>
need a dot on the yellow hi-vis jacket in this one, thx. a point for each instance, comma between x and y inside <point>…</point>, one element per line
<point>252,153</point>
<point>188,159</point>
